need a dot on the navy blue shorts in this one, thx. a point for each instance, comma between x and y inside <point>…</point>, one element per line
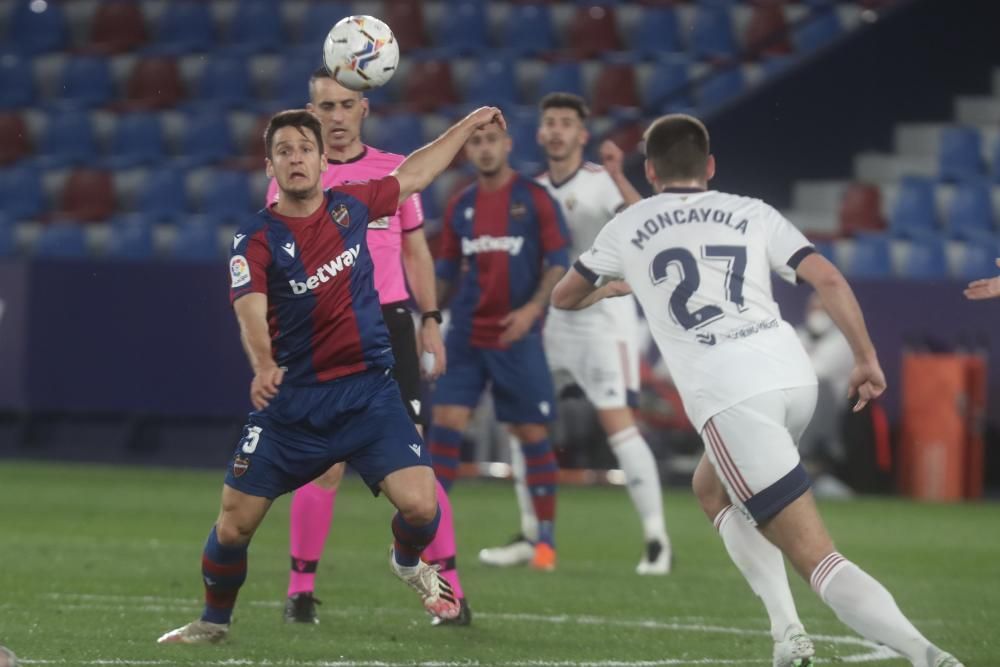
<point>519,377</point>
<point>360,419</point>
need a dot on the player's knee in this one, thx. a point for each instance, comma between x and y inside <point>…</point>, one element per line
<point>530,432</point>
<point>709,491</point>
<point>420,511</point>
<point>232,533</point>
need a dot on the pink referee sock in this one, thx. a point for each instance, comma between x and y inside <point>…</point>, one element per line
<point>311,515</point>
<point>442,550</point>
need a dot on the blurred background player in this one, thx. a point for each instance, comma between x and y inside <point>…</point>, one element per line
<point>984,288</point>
<point>505,244</point>
<point>700,264</point>
<point>598,347</point>
<point>322,390</point>
<point>396,243</point>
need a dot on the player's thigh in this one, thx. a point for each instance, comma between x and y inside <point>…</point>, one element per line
<point>466,377</point>
<point>754,454</point>
<point>330,480</point>
<point>412,491</point>
<point>709,491</point>
<point>522,382</point>
<point>799,531</point>
<point>406,370</point>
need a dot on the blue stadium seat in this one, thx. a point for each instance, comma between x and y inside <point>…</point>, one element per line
<point>657,32</point>
<point>207,140</point>
<point>979,260</point>
<point>186,26</point>
<point>400,133</point>
<point>256,26</point>
<point>17,82</point>
<point>668,87</point>
<point>819,29</point>
<point>137,140</point>
<point>130,238</point>
<point>163,195</point>
<point>493,83</point>
<point>225,196</point>
<point>291,85</point>
<point>529,30</point>
<point>562,77</point>
<point>21,193</point>
<point>86,83</point>
<point>224,84</point>
<point>960,154</point>
<point>429,200</point>
<point>527,156</point>
<point>712,35</point>
<point>317,21</point>
<point>68,140</point>
<point>970,213</point>
<point>196,241</point>
<point>827,249</point>
<point>463,29</point>
<point>914,213</point>
<point>62,240</point>
<point>33,31</point>
<point>871,257</point>
<point>926,259</point>
<point>721,87</point>
<point>8,241</point>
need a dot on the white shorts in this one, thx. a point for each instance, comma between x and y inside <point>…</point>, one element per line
<point>607,369</point>
<point>753,447</point>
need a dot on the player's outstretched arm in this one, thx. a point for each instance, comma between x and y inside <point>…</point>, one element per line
<point>984,288</point>
<point>867,380</point>
<point>575,292</point>
<point>425,164</point>
<point>251,313</point>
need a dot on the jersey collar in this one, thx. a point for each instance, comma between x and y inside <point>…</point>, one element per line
<point>356,158</point>
<point>569,178</point>
<point>682,191</point>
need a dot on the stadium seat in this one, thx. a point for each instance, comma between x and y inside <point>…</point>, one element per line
<point>960,154</point>
<point>62,240</point>
<point>979,260</point>
<point>668,88</point>
<point>464,29</point>
<point>14,141</point>
<point>926,259</point>
<point>429,86</point>
<point>827,249</point>
<point>186,26</point>
<point>914,213</point>
<point>721,87</point>
<point>400,133</point>
<point>821,27</point>
<point>712,35</point>
<point>627,135</point>
<point>225,196</point>
<point>8,240</point>
<point>130,238</point>
<point>224,84</point>
<point>529,30</point>
<point>615,87</point>
<point>290,88</point>
<point>117,27</point>
<point>871,258</point>
<point>17,82</point>
<point>87,196</point>
<point>527,156</point>
<point>657,32</point>
<point>68,139</point>
<point>206,140</point>
<point>86,83</point>
<point>256,27</point>
<point>562,77</point>
<point>162,197</point>
<point>21,194</point>
<point>317,21</point>
<point>407,20</point>
<point>593,31</point>
<point>154,83</point>
<point>38,28</point>
<point>970,212</point>
<point>137,140</point>
<point>861,209</point>
<point>767,31</point>
<point>492,83</point>
<point>196,241</point>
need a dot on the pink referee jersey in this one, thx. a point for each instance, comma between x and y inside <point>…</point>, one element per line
<point>385,235</point>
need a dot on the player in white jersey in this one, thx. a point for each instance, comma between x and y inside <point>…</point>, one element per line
<point>699,262</point>
<point>596,349</point>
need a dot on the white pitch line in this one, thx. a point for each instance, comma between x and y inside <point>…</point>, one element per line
<point>436,663</point>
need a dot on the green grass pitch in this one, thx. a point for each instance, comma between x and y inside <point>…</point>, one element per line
<point>96,563</point>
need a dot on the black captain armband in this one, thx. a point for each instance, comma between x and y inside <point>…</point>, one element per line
<point>431,315</point>
<point>587,274</point>
<point>800,255</point>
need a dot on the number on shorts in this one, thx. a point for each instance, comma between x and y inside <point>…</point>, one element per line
<point>690,279</point>
<point>251,439</point>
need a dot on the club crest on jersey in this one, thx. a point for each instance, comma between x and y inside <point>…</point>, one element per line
<point>239,270</point>
<point>240,466</point>
<point>570,203</point>
<point>518,210</point>
<point>341,215</point>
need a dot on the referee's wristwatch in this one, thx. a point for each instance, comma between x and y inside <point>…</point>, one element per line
<point>431,315</point>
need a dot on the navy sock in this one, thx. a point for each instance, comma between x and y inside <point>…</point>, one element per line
<point>223,571</point>
<point>411,540</point>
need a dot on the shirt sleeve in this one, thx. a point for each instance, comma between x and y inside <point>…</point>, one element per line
<point>450,255</point>
<point>411,213</point>
<point>248,262</point>
<point>786,245</point>
<point>603,260</point>
<point>381,196</point>
<point>272,193</point>
<point>552,228</point>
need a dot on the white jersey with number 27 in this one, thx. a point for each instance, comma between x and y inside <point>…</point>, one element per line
<point>700,264</point>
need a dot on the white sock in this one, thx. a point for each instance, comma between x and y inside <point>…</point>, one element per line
<point>762,566</point>
<point>642,478</point>
<point>529,523</point>
<point>864,605</point>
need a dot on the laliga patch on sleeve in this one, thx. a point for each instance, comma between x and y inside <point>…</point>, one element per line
<point>239,270</point>
<point>381,223</point>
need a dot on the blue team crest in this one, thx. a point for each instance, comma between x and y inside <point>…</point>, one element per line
<point>341,215</point>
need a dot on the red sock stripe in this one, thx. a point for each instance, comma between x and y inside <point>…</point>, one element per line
<point>446,450</point>
<point>824,569</point>
<point>547,478</point>
<point>545,507</point>
<point>223,569</point>
<point>548,458</point>
<point>729,469</point>
<point>445,472</point>
<point>721,516</point>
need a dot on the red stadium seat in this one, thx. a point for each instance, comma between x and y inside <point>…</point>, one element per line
<point>593,31</point>
<point>407,20</point>
<point>88,196</point>
<point>429,86</point>
<point>767,31</point>
<point>627,137</point>
<point>861,209</point>
<point>155,83</point>
<point>615,87</point>
<point>14,142</point>
<point>117,27</point>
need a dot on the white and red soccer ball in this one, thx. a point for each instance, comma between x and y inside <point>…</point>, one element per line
<point>361,52</point>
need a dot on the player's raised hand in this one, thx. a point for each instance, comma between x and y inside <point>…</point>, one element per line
<point>264,386</point>
<point>985,288</point>
<point>612,157</point>
<point>483,116</point>
<point>519,322</point>
<point>867,382</point>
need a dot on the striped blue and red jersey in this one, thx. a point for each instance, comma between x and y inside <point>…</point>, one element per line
<point>498,244</point>
<point>322,308</point>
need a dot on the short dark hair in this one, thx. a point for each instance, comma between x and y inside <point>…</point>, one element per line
<point>322,72</point>
<point>297,118</point>
<point>565,101</point>
<point>677,146</point>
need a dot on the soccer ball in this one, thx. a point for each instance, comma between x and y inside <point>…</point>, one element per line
<point>361,52</point>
